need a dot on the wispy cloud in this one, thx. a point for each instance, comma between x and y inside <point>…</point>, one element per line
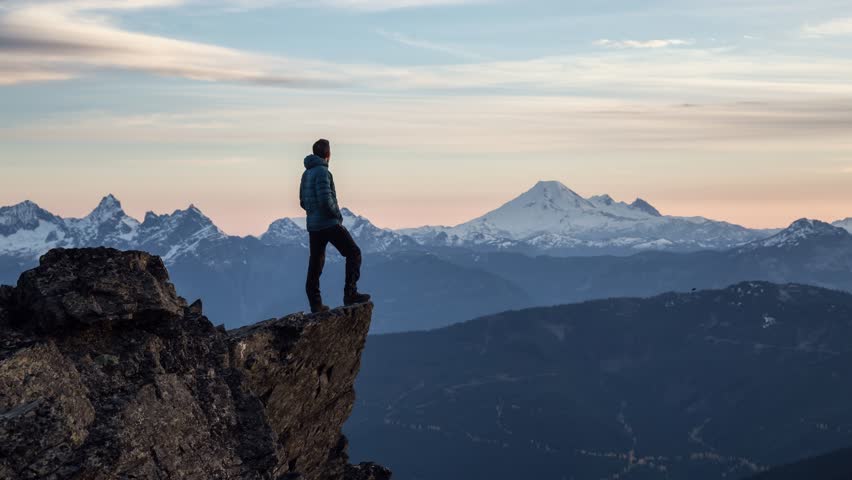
<point>476,124</point>
<point>42,41</point>
<point>53,41</point>
<point>835,27</point>
<point>392,4</point>
<point>427,45</point>
<point>58,40</point>
<point>355,5</point>
<point>671,42</point>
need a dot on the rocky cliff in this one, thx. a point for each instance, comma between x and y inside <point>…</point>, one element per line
<point>105,372</point>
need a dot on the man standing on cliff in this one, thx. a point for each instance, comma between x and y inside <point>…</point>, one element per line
<point>325,225</point>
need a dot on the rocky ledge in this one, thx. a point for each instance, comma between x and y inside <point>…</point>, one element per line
<point>105,372</point>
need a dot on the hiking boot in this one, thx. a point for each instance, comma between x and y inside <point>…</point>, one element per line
<point>353,298</point>
<point>319,308</point>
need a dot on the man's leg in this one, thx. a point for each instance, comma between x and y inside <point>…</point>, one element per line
<point>345,244</point>
<point>318,242</point>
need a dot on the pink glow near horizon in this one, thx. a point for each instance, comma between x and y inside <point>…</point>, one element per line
<point>251,216</point>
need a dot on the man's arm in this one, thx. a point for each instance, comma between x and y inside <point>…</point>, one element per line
<point>325,194</point>
<point>302,192</point>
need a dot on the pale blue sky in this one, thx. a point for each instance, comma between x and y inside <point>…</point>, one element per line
<point>437,110</point>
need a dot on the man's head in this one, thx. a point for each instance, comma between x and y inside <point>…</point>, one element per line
<point>322,148</point>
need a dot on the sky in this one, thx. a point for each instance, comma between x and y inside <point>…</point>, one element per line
<point>437,110</point>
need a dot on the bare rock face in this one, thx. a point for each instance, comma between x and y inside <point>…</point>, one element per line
<point>96,285</point>
<point>106,373</point>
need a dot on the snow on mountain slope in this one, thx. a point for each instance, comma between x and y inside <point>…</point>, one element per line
<point>177,234</point>
<point>368,236</point>
<point>27,230</point>
<point>284,232</point>
<point>845,224</point>
<point>106,225</point>
<point>552,216</point>
<point>801,231</point>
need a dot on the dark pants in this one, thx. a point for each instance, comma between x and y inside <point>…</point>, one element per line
<point>343,242</point>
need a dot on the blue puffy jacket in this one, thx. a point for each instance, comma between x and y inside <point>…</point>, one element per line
<point>318,196</point>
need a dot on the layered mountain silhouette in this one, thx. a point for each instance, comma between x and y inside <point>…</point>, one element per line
<point>711,384</point>
<point>427,286</point>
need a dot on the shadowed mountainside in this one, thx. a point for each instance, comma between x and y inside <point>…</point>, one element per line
<point>681,385</point>
<point>833,466</point>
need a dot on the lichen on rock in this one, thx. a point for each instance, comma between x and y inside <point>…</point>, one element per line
<point>105,372</point>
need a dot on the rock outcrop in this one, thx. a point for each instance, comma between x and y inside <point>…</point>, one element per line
<point>105,372</point>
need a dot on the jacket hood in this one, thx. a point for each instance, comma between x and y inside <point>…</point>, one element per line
<point>312,161</point>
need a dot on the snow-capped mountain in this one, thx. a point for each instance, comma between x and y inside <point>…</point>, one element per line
<point>27,230</point>
<point>285,232</point>
<point>177,234</point>
<point>106,225</point>
<point>368,236</point>
<point>845,224</point>
<point>801,232</point>
<point>551,216</point>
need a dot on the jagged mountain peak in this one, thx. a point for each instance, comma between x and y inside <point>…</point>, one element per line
<point>107,224</point>
<point>646,207</point>
<point>179,233</point>
<point>25,214</point>
<point>29,230</point>
<point>109,201</point>
<point>191,214</point>
<point>284,231</point>
<point>108,207</point>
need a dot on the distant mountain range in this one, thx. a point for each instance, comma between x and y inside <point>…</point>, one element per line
<point>421,285</point>
<point>27,231</point>
<point>702,385</point>
<point>551,218</point>
<point>809,251</point>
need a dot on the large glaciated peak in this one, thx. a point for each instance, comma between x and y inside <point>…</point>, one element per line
<point>551,188</point>
<point>646,207</point>
<point>551,194</point>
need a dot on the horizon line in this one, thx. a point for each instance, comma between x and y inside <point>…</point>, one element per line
<point>193,205</point>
